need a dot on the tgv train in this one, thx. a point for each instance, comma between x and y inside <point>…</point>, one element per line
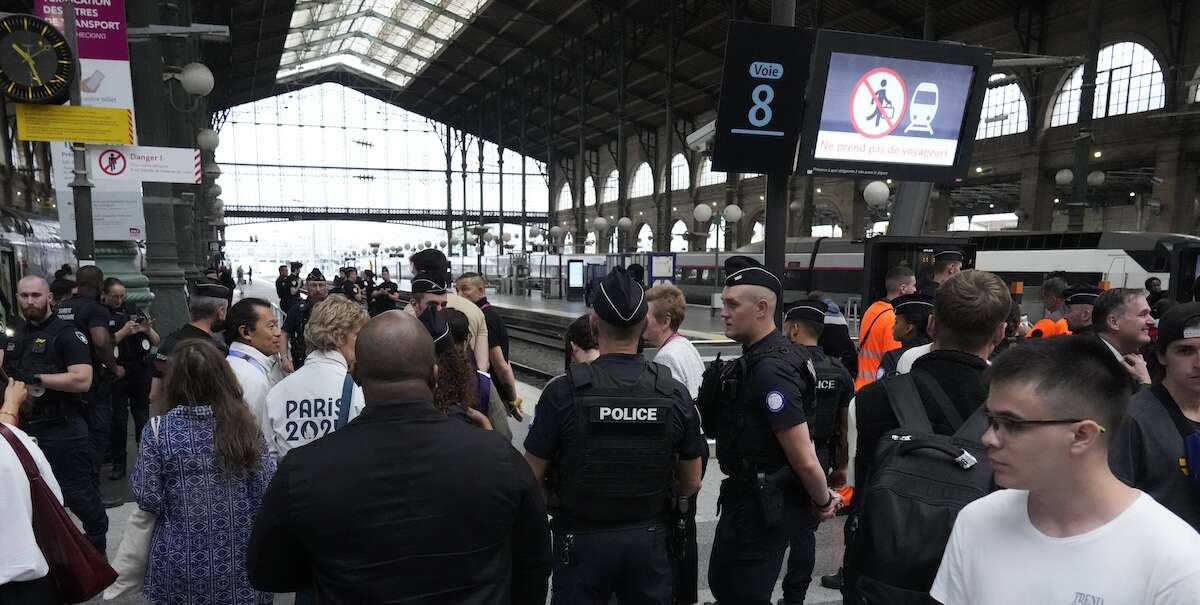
<point>29,245</point>
<point>836,266</point>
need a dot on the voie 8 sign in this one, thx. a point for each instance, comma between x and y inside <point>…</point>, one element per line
<point>762,98</point>
<point>892,107</point>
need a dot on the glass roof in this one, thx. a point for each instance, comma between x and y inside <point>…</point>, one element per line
<point>387,40</point>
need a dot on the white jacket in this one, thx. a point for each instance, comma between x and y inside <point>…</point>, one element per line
<point>304,406</point>
<point>256,379</point>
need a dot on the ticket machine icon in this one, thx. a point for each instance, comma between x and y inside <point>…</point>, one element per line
<point>923,108</point>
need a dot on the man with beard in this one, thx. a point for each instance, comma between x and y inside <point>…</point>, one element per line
<point>54,360</point>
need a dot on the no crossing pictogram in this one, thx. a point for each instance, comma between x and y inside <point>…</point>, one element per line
<point>877,103</point>
<point>112,162</point>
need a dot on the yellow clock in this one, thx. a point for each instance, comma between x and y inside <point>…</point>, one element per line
<point>36,62</point>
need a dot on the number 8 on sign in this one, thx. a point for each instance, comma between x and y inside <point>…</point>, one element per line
<point>760,113</point>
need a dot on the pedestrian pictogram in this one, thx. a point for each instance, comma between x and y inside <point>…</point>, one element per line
<point>877,103</point>
<point>112,162</point>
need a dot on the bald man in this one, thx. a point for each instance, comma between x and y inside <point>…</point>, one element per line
<point>53,359</point>
<point>415,529</point>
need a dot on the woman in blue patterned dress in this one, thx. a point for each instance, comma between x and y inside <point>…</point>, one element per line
<point>204,477</point>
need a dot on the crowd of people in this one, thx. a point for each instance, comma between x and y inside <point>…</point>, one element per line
<point>357,453</point>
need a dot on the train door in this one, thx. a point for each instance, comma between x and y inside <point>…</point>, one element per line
<point>8,285</point>
<point>887,251</point>
<point>1183,259</point>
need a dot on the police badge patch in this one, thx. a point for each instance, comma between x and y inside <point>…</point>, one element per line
<point>81,337</point>
<point>775,401</point>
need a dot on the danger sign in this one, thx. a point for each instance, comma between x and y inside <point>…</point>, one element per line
<point>112,162</point>
<point>877,103</point>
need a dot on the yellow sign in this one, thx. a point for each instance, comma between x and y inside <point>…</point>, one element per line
<point>96,125</point>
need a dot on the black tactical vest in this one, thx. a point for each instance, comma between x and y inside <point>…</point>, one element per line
<point>296,339</point>
<point>33,350</point>
<point>617,467</point>
<point>830,392</point>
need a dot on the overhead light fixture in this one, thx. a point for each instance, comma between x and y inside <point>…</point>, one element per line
<point>1055,200</point>
<point>762,197</point>
<point>1132,194</point>
<point>889,181</point>
<point>818,190</point>
<point>1097,153</point>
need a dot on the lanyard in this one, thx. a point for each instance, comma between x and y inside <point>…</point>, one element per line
<point>673,337</point>
<point>254,362</point>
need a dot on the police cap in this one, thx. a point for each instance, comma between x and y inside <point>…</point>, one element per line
<point>438,329</point>
<point>948,255</point>
<point>1081,295</point>
<point>211,289</point>
<point>429,283</point>
<point>296,264</point>
<point>745,271</point>
<point>912,304</point>
<point>315,275</point>
<point>429,260</point>
<point>619,300</point>
<point>806,310</point>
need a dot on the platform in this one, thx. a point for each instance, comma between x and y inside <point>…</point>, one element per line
<point>699,324</point>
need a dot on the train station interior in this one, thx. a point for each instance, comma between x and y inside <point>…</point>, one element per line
<point>543,142</point>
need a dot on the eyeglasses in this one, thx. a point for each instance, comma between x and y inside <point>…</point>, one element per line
<point>1010,424</point>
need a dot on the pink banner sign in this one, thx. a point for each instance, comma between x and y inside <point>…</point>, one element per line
<point>99,26</point>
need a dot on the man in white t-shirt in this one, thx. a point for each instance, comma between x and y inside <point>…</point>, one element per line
<point>1067,530</point>
<point>667,310</point>
<point>252,331</point>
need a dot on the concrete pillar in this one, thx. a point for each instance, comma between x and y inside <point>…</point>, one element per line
<point>939,215</point>
<point>1036,210</point>
<point>859,213</point>
<point>1173,205</point>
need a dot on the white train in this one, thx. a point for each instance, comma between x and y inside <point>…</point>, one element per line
<point>29,245</point>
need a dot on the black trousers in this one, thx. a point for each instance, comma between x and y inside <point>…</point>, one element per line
<point>747,554</point>
<point>31,592</point>
<point>98,410</point>
<point>130,395</point>
<point>67,445</point>
<point>802,553</point>
<point>631,563</point>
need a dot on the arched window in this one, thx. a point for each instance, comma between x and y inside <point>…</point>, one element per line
<point>760,232</point>
<point>643,182</point>
<point>564,198</point>
<point>589,192</point>
<point>645,240</point>
<point>707,176</point>
<point>679,173</point>
<point>679,240</point>
<point>611,188</point>
<point>1004,110</point>
<point>1128,80</point>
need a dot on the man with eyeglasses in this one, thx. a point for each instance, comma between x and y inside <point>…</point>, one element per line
<point>1066,530</point>
<point>1158,448</point>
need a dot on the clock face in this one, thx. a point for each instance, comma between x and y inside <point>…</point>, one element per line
<point>36,63</point>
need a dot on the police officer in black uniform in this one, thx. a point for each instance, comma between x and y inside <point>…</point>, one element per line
<point>383,297</point>
<point>207,306</point>
<point>946,263</point>
<point>297,318</point>
<point>803,322</point>
<point>609,437</point>
<point>54,360</point>
<point>775,485</point>
<point>135,338</point>
<point>1079,301</point>
<point>287,287</point>
<point>351,287</point>
<point>89,316</point>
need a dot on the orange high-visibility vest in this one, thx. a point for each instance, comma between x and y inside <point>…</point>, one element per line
<point>1047,327</point>
<point>874,339</point>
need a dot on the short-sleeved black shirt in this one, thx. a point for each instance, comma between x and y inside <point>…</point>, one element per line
<point>71,347</point>
<point>497,331</point>
<point>283,289</point>
<point>86,313</point>
<point>350,289</point>
<point>383,302</point>
<point>168,344</point>
<point>553,418</point>
<point>134,351</point>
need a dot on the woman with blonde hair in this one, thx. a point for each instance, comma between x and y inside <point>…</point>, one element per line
<point>312,401</point>
<point>202,469</point>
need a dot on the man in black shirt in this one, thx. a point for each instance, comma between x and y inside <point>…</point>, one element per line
<point>287,286</point>
<point>434,525</point>
<point>92,318</point>
<point>351,288</point>
<point>969,314</point>
<point>613,434</point>
<point>206,308</point>
<point>292,357</point>
<point>385,296</point>
<point>135,337</point>
<point>1150,450</point>
<point>55,362</point>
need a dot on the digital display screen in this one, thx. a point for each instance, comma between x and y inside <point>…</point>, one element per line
<point>575,274</point>
<point>893,111</point>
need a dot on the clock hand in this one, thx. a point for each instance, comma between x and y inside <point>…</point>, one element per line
<point>39,51</point>
<point>29,61</point>
<point>24,55</point>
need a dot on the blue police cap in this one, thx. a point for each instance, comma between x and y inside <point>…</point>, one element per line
<point>619,300</point>
<point>1081,295</point>
<point>806,310</point>
<point>745,271</point>
<point>432,282</point>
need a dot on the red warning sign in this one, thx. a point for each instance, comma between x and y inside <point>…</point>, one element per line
<point>112,162</point>
<point>878,102</point>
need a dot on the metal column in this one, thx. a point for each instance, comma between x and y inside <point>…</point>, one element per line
<point>580,211</point>
<point>664,210</point>
<point>521,144</point>
<point>500,166</point>
<point>479,242</point>
<point>622,152</point>
<point>912,197</point>
<point>1083,137</point>
<point>449,191</point>
<point>783,12</point>
<point>462,139</point>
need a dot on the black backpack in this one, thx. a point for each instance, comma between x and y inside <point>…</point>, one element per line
<point>920,483</point>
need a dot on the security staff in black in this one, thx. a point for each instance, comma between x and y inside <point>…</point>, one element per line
<point>803,323</point>
<point>610,439</point>
<point>776,486</point>
<point>946,263</point>
<point>54,360</point>
<point>287,286</point>
<point>297,318</point>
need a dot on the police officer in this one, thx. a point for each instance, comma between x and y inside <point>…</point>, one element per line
<point>385,296</point>
<point>803,322</point>
<point>134,335</point>
<point>207,306</point>
<point>351,288</point>
<point>612,435</point>
<point>1078,302</point>
<point>54,360</point>
<point>946,263</point>
<point>84,310</point>
<point>775,485</point>
<point>287,286</point>
<point>297,317</point>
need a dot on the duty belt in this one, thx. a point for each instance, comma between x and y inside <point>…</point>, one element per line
<point>52,411</point>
